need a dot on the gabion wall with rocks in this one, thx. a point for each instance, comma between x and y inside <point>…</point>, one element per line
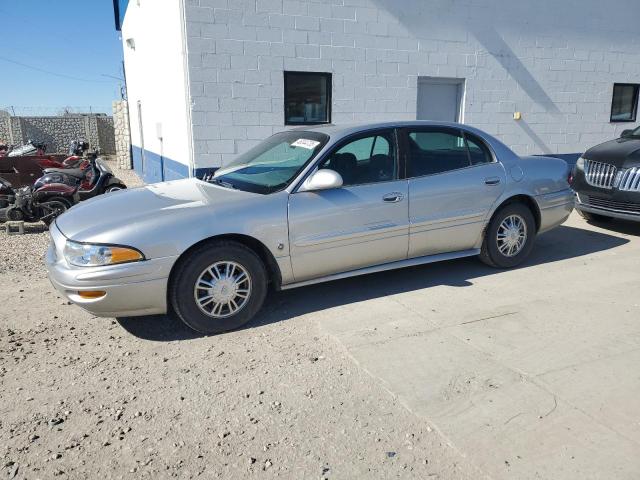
<point>122,135</point>
<point>58,132</point>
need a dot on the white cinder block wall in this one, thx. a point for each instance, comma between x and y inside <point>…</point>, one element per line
<point>554,61</point>
<point>154,56</point>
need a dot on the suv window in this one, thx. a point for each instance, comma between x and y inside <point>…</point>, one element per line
<point>438,151</point>
<point>369,159</point>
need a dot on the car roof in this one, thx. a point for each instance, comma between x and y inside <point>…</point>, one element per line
<point>338,132</point>
<point>347,129</point>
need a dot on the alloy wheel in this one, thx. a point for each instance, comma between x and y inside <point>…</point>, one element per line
<point>512,235</point>
<point>222,289</point>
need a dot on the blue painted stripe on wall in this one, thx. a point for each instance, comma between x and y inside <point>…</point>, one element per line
<point>157,168</point>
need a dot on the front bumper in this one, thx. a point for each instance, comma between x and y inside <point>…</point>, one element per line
<point>132,289</point>
<point>609,208</point>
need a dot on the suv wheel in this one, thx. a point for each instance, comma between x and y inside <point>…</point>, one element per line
<point>218,287</point>
<point>509,237</point>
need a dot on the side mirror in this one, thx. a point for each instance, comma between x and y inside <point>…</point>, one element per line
<point>626,133</point>
<point>323,179</point>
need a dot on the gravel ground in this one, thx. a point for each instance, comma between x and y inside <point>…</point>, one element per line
<point>83,397</point>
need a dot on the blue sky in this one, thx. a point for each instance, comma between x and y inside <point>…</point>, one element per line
<point>52,41</point>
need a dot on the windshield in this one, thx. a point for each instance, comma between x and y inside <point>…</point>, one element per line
<point>272,164</point>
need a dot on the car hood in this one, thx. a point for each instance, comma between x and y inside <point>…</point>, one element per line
<point>112,217</point>
<point>621,152</point>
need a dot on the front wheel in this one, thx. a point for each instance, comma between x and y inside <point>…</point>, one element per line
<point>218,287</point>
<point>52,209</point>
<point>509,237</point>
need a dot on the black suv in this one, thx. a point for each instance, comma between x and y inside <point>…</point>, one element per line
<point>606,179</point>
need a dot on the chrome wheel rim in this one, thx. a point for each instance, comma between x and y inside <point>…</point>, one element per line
<point>512,235</point>
<point>222,289</point>
<point>113,189</point>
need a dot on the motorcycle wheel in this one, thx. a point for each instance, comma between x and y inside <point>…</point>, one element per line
<point>114,188</point>
<point>53,208</point>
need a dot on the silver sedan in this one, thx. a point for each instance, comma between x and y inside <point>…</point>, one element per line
<point>305,206</point>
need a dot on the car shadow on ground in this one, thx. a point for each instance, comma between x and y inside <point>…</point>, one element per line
<point>626,227</point>
<point>559,244</point>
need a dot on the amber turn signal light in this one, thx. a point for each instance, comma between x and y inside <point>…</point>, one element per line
<point>121,255</point>
<point>92,294</point>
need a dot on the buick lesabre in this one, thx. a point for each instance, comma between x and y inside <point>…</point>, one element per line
<point>305,206</point>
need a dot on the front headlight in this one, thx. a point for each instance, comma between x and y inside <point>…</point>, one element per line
<point>85,255</point>
<point>580,163</point>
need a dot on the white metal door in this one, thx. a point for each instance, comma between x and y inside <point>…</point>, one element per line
<point>439,99</point>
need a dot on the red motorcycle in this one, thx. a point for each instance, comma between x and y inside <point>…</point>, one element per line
<point>75,159</point>
<point>31,204</point>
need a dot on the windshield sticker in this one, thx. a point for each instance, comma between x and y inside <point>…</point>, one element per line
<point>305,143</point>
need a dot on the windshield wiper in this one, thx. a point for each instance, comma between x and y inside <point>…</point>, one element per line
<point>222,183</point>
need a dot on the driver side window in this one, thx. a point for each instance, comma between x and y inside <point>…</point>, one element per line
<point>369,159</point>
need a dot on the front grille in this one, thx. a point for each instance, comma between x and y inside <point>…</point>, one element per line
<point>629,180</point>
<point>627,207</point>
<point>599,174</point>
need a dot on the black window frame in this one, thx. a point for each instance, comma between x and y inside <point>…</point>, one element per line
<point>634,114</point>
<point>328,78</point>
<point>406,160</point>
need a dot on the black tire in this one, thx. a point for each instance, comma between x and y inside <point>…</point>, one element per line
<point>61,205</point>
<point>490,252</point>
<point>181,293</point>
<point>594,217</point>
<point>115,187</point>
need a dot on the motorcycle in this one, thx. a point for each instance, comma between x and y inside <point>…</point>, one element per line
<point>75,157</point>
<point>92,179</point>
<point>32,204</point>
<point>29,148</point>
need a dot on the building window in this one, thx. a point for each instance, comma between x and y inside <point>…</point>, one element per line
<point>307,98</point>
<point>624,105</point>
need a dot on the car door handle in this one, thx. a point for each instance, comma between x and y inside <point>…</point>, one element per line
<point>393,197</point>
<point>492,180</point>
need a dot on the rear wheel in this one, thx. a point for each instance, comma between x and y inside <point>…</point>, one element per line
<point>509,237</point>
<point>52,209</point>
<point>218,287</point>
<point>114,188</point>
<point>594,217</point>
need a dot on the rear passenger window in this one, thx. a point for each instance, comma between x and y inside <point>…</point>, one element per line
<point>478,151</point>
<point>436,152</point>
<point>432,152</point>
<point>369,159</point>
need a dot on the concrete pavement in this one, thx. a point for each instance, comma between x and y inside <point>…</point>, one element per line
<point>529,373</point>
